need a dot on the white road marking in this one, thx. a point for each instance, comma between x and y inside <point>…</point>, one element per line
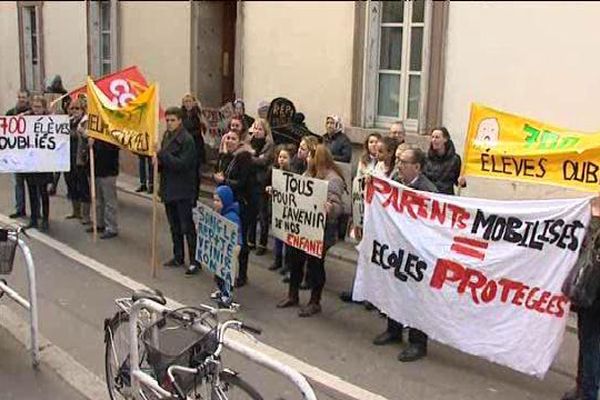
<point>323,381</point>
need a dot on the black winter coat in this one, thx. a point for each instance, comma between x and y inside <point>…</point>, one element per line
<point>261,161</point>
<point>106,159</point>
<point>443,170</point>
<point>340,146</point>
<point>192,122</point>
<point>239,173</point>
<point>177,166</point>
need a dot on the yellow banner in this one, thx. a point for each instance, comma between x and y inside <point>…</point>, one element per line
<point>506,146</point>
<point>132,127</point>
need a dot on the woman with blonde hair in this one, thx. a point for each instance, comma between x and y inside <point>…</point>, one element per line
<point>262,145</point>
<point>320,166</point>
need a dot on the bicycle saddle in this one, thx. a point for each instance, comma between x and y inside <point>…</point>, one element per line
<point>149,294</point>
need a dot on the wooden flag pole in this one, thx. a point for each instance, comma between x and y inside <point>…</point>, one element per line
<point>153,260</point>
<point>93,192</point>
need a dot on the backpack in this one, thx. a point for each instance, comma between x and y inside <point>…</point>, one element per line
<point>583,281</point>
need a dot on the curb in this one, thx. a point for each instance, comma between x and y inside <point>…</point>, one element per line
<point>52,357</point>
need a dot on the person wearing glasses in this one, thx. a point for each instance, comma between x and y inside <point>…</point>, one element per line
<point>411,164</point>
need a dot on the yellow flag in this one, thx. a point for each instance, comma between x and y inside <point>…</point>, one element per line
<point>506,146</point>
<point>132,127</point>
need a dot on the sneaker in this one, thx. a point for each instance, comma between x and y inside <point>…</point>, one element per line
<point>215,295</point>
<point>16,215</point>
<point>261,251</point>
<point>251,245</point>
<point>44,226</point>
<point>150,189</point>
<point>193,269</point>
<point>141,188</point>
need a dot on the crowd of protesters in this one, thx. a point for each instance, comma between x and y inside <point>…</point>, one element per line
<point>247,155</point>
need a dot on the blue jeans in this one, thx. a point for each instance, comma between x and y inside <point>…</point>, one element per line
<point>146,162</point>
<point>588,365</point>
<point>19,184</point>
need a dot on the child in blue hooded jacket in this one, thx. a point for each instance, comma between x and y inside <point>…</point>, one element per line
<point>224,204</point>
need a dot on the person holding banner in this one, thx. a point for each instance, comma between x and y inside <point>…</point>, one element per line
<point>73,189</point>
<point>321,166</point>
<point>443,164</point>
<point>262,144</point>
<point>106,170</point>
<point>411,165</point>
<point>234,168</point>
<point>21,107</point>
<point>588,330</point>
<point>177,165</point>
<point>37,182</point>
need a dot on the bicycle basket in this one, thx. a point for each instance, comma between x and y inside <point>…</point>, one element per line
<point>171,341</point>
<point>8,247</point>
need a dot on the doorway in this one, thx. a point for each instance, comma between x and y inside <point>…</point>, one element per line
<point>213,49</point>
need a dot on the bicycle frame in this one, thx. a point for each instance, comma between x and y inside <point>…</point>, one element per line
<point>30,305</point>
<point>138,375</point>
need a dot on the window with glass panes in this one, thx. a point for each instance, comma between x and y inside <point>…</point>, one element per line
<point>401,34</point>
<point>31,48</point>
<point>101,36</point>
<point>105,39</point>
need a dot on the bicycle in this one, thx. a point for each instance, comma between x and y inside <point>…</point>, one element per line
<point>176,354</point>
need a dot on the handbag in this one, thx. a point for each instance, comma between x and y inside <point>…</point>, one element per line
<point>583,281</point>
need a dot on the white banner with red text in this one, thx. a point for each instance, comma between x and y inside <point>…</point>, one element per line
<point>483,276</point>
<point>34,143</point>
<point>299,216</point>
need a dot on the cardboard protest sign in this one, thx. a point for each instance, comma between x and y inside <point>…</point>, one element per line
<point>214,120</point>
<point>506,146</point>
<point>299,211</point>
<point>217,245</point>
<point>280,113</point>
<point>35,143</point>
<point>480,275</point>
<point>132,127</point>
<point>358,203</point>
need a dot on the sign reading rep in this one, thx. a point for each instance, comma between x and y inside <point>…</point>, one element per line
<point>506,146</point>
<point>217,244</point>
<point>34,143</point>
<point>483,276</point>
<point>299,211</point>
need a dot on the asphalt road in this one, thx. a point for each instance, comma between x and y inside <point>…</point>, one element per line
<point>74,301</point>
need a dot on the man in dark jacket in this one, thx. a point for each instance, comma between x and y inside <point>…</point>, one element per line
<point>411,162</point>
<point>177,166</point>
<point>106,170</point>
<point>19,179</point>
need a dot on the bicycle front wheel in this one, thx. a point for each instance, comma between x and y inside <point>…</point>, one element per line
<point>231,387</point>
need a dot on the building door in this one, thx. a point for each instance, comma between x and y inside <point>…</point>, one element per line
<point>213,47</point>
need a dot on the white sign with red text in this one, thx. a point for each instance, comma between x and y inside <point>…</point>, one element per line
<point>298,216</point>
<point>34,143</point>
<point>482,276</point>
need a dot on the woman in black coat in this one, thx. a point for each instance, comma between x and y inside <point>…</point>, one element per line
<point>196,126</point>
<point>443,164</point>
<point>234,169</point>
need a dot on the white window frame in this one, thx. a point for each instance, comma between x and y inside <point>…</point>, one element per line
<point>96,35</point>
<point>32,64</point>
<point>372,71</point>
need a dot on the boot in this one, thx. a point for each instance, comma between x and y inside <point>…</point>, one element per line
<point>76,210</point>
<point>291,300</point>
<point>277,264</point>
<point>85,214</point>
<point>314,305</point>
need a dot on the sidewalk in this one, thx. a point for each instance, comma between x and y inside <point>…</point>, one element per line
<point>19,381</point>
<point>343,251</point>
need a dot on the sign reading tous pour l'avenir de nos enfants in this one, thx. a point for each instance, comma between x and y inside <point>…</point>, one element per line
<point>34,143</point>
<point>483,276</point>
<point>299,215</point>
